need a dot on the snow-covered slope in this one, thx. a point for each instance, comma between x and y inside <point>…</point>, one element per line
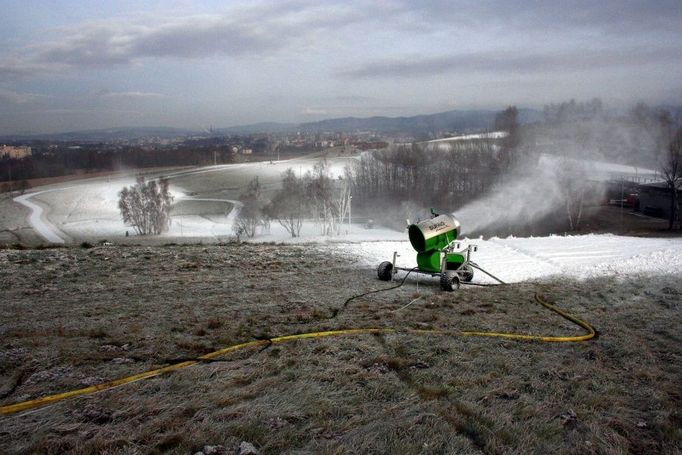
<point>520,259</point>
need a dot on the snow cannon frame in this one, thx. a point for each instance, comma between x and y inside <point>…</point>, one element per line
<point>438,252</point>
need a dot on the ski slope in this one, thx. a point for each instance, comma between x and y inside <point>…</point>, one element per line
<point>521,259</point>
<point>88,209</point>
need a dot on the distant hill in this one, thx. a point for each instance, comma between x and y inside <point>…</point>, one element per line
<point>456,120</point>
<point>262,127</point>
<point>103,135</point>
<point>450,120</point>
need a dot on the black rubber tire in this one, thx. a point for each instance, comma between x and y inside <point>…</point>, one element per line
<point>385,271</point>
<point>449,281</point>
<point>466,273</point>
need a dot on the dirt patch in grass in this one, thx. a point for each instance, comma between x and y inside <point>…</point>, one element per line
<point>74,317</point>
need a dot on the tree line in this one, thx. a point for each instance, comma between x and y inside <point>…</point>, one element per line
<point>400,181</point>
<point>316,196</point>
<point>405,178</point>
<point>98,157</point>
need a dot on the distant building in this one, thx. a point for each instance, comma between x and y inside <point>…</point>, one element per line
<point>655,199</point>
<point>324,143</point>
<point>16,153</point>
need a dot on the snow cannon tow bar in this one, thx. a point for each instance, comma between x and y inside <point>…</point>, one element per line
<point>438,252</point>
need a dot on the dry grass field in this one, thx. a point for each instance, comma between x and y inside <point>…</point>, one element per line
<point>72,317</point>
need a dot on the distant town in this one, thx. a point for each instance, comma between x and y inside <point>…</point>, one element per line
<point>43,158</point>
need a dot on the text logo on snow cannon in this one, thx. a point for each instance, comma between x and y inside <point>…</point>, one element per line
<point>434,234</point>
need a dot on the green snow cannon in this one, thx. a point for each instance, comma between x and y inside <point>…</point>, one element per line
<point>430,237</point>
<point>435,243</point>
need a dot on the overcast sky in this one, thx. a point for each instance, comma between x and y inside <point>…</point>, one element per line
<point>82,64</point>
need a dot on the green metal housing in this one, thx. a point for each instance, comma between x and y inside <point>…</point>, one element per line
<point>430,237</point>
<point>429,261</point>
<point>433,234</point>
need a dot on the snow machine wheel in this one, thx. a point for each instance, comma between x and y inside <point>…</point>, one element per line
<point>466,273</point>
<point>385,271</point>
<point>449,281</point>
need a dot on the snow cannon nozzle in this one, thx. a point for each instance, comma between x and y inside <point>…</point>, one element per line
<point>435,233</point>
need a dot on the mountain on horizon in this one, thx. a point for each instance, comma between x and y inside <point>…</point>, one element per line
<point>455,120</point>
<point>104,134</point>
<point>450,120</point>
<point>261,127</point>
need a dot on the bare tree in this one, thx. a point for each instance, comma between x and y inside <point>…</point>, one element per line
<point>319,189</point>
<point>507,121</point>
<point>447,174</point>
<point>342,197</point>
<point>329,198</point>
<point>289,204</point>
<point>671,168</point>
<point>146,206</point>
<point>572,180</point>
<point>251,215</point>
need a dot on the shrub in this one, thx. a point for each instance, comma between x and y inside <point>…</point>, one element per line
<point>289,205</point>
<point>146,206</point>
<point>251,214</point>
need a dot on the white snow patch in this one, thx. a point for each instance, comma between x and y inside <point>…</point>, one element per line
<point>468,137</point>
<point>311,233</point>
<point>38,220</point>
<point>521,259</point>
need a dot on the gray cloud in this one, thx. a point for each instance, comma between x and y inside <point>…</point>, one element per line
<point>13,68</point>
<point>611,16</point>
<point>243,61</point>
<point>514,62</point>
<point>258,30</point>
<point>20,98</point>
<point>131,95</point>
<point>266,28</point>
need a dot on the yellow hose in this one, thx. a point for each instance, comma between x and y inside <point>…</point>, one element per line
<point>591,333</point>
<point>43,401</point>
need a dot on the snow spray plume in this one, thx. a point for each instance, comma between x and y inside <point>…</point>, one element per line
<point>522,200</point>
<point>579,149</point>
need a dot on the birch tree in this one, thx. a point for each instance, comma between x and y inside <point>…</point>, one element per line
<point>146,206</point>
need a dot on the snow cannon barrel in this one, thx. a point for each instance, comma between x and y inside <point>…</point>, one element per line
<point>433,234</point>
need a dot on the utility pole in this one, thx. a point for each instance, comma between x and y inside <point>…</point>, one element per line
<point>215,160</point>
